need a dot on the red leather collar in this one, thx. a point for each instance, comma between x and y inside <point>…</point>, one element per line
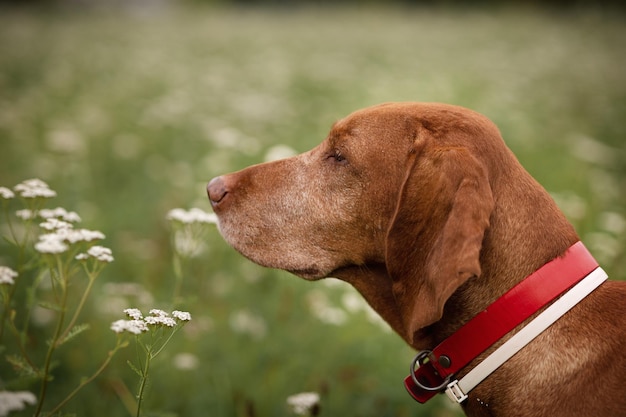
<point>507,312</point>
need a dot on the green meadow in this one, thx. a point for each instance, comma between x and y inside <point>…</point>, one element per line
<point>126,113</point>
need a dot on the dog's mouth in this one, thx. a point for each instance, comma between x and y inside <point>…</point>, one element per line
<point>310,272</point>
<point>307,273</point>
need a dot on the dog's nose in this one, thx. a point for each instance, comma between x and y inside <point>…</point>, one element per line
<point>216,190</point>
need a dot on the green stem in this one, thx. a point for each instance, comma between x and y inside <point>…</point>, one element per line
<point>10,224</point>
<point>84,382</point>
<point>81,304</point>
<point>7,302</point>
<point>48,361</point>
<point>20,345</point>
<point>30,304</point>
<point>178,278</point>
<point>166,341</point>
<point>142,385</point>
<point>53,342</point>
<point>5,311</point>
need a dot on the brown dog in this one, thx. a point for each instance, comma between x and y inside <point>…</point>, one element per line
<point>427,213</point>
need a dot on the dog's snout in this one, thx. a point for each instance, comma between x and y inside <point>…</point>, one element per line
<point>216,190</point>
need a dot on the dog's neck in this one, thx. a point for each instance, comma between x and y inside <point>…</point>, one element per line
<point>501,270</point>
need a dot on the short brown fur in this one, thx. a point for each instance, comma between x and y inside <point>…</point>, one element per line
<point>427,213</point>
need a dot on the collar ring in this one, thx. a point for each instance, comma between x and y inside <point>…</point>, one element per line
<point>418,361</point>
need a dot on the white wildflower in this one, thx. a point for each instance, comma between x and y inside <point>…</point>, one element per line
<point>187,244</point>
<point>118,326</point>
<point>47,213</point>
<point>303,403</point>
<point>158,313</point>
<point>136,326</point>
<point>352,302</point>
<point>51,243</point>
<point>133,313</point>
<point>186,361</point>
<point>7,276</point>
<point>71,216</point>
<point>55,224</point>
<point>25,214</point>
<point>131,326</point>
<point>194,215</point>
<point>156,320</point>
<point>177,214</point>
<point>101,253</point>
<point>245,322</point>
<point>613,222</point>
<point>6,193</point>
<point>321,307</point>
<point>181,315</point>
<point>72,236</point>
<point>89,235</point>
<point>64,233</point>
<point>15,401</point>
<point>57,242</point>
<point>34,188</point>
<point>83,235</point>
<point>60,213</point>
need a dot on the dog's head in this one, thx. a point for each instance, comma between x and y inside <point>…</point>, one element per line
<point>395,200</point>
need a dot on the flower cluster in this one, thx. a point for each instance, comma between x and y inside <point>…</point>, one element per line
<point>159,317</point>
<point>6,193</point>
<point>181,315</point>
<point>57,235</point>
<point>58,222</point>
<point>134,313</point>
<point>33,188</point>
<point>188,240</point>
<point>194,215</point>
<point>15,401</point>
<point>55,224</point>
<point>139,324</point>
<point>58,213</point>
<point>304,403</point>
<point>62,235</point>
<point>7,275</point>
<point>130,326</point>
<point>99,253</point>
<point>50,243</point>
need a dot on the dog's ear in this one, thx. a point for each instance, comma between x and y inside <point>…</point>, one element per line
<point>435,238</point>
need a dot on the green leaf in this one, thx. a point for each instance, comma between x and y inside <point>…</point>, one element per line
<point>50,306</point>
<point>75,331</point>
<point>134,368</point>
<point>22,367</point>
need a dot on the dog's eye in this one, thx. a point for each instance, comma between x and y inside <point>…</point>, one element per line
<point>337,157</point>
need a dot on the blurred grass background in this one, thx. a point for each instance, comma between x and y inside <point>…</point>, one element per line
<point>128,111</point>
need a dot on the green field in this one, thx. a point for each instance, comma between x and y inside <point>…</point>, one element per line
<point>127,114</point>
